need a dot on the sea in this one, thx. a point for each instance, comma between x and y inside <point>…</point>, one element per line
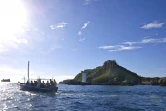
<point>84,98</point>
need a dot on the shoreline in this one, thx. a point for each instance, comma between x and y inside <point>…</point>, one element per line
<point>116,84</point>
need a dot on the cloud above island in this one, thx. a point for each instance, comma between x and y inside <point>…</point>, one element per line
<point>80,31</point>
<point>147,41</point>
<point>129,45</point>
<point>83,27</point>
<point>82,39</point>
<point>153,25</point>
<point>119,48</point>
<point>87,2</point>
<point>58,26</point>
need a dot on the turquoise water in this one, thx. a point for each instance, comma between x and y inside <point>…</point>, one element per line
<point>84,98</point>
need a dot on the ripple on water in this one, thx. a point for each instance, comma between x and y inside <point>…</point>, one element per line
<point>88,98</point>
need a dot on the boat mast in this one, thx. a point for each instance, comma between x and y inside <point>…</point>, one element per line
<point>28,71</point>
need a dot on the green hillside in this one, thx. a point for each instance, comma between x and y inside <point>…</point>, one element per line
<point>109,73</point>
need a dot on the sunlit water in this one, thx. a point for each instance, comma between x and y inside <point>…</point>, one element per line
<point>84,98</point>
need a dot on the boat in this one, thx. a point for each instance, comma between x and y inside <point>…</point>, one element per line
<point>27,87</point>
<point>5,80</point>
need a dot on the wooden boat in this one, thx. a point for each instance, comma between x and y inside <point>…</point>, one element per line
<point>28,87</point>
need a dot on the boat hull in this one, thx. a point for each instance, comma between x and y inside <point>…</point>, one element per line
<point>25,87</point>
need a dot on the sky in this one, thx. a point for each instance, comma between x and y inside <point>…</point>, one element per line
<point>61,38</point>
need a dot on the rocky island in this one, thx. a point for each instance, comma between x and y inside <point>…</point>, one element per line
<point>110,73</point>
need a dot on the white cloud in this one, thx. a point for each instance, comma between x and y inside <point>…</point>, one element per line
<point>59,25</point>
<point>79,33</point>
<point>86,2</point>
<point>85,25</point>
<point>119,48</point>
<point>147,41</point>
<point>2,48</point>
<point>19,41</point>
<point>7,43</point>
<point>129,43</point>
<point>53,27</point>
<point>150,40</point>
<point>13,39</point>
<point>82,39</point>
<point>108,47</point>
<point>153,25</point>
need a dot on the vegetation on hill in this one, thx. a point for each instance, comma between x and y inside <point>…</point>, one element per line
<point>110,73</point>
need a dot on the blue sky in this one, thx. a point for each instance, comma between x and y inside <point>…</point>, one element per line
<point>60,38</point>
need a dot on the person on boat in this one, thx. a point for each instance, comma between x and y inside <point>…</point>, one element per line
<point>31,83</point>
<point>43,85</point>
<point>51,83</point>
<point>55,82</point>
<point>35,83</point>
<point>38,82</point>
<point>47,84</point>
<point>27,83</point>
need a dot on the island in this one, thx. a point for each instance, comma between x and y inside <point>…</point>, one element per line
<point>110,73</point>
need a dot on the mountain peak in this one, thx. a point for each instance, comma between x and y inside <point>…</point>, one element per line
<point>109,64</point>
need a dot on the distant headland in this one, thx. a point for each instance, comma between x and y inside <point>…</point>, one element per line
<point>5,80</point>
<point>113,74</point>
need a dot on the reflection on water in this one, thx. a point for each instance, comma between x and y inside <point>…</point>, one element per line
<point>88,98</point>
